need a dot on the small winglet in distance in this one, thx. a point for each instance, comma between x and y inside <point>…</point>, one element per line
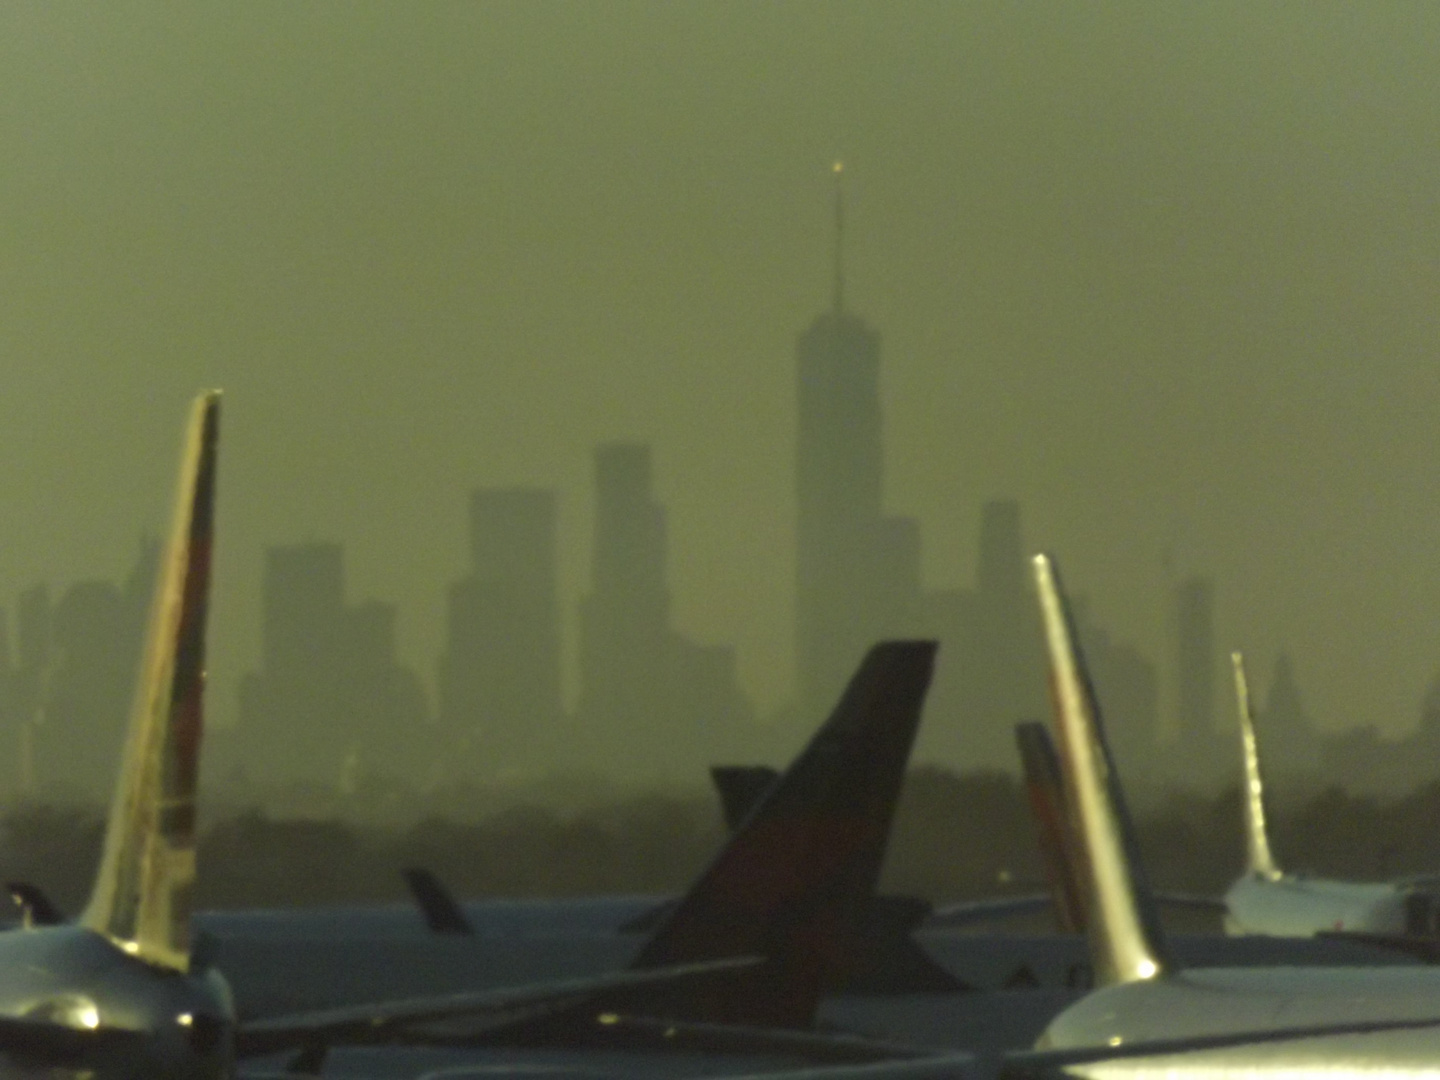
<point>1046,790</point>
<point>1259,861</point>
<point>795,880</point>
<point>741,788</point>
<point>1126,941</point>
<point>441,913</point>
<point>36,908</point>
<point>142,894</point>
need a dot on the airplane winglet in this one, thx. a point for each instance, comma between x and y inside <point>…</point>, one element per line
<point>36,907</point>
<point>1126,942</point>
<point>1259,861</point>
<point>142,895</point>
<point>1046,790</point>
<point>439,909</point>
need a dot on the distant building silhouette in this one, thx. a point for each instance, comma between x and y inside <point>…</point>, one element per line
<point>653,701</point>
<point>330,699</point>
<point>1202,757</point>
<point>499,677</point>
<point>1128,689</point>
<point>990,673</point>
<point>857,571</point>
<point>1287,737</point>
<point>32,669</point>
<point>83,677</point>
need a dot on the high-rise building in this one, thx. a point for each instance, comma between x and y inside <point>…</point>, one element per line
<point>330,699</point>
<point>499,678</point>
<point>990,673</point>
<point>1288,740</point>
<point>1128,690</point>
<point>652,701</point>
<point>84,676</point>
<point>857,571</point>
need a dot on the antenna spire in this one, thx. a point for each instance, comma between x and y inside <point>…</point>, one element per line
<point>839,298</point>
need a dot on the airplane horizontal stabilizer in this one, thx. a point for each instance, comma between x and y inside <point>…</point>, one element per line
<point>972,912</point>
<point>1212,905</point>
<point>642,1033</point>
<point>393,1021</point>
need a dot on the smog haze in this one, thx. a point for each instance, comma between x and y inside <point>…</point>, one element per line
<point>1167,275</point>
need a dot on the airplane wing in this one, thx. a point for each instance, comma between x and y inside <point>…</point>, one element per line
<point>1192,902</point>
<point>969,912</point>
<point>1424,949</point>
<point>391,1021</point>
<point>1428,880</point>
<point>813,1047</point>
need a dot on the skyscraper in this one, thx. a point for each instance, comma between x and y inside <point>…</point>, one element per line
<point>990,673</point>
<point>329,691</point>
<point>499,677</point>
<point>652,700</point>
<point>857,572</point>
<point>86,684</point>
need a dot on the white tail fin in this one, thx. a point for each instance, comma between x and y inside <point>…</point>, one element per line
<point>142,895</point>
<point>1126,943</point>
<point>1257,837</point>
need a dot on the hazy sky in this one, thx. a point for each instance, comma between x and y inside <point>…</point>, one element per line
<point>1168,273</point>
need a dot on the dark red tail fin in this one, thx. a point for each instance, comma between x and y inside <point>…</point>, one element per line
<point>794,882</point>
<point>741,788</point>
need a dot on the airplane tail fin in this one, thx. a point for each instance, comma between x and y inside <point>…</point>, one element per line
<point>437,906</point>
<point>142,895</point>
<point>1259,861</point>
<point>741,788</point>
<point>795,880</point>
<point>1126,942</point>
<point>1045,787</point>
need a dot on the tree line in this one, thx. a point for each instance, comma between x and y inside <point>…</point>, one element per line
<point>955,837</point>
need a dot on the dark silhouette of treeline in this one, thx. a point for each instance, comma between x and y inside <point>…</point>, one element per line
<point>955,837</point>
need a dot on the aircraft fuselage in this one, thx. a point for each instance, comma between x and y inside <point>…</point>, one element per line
<point>182,1025</point>
<point>1292,906</point>
<point>1199,1003</point>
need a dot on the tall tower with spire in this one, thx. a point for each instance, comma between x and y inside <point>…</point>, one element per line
<point>857,571</point>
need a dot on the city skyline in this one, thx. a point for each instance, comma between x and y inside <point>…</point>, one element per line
<point>1166,277</point>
